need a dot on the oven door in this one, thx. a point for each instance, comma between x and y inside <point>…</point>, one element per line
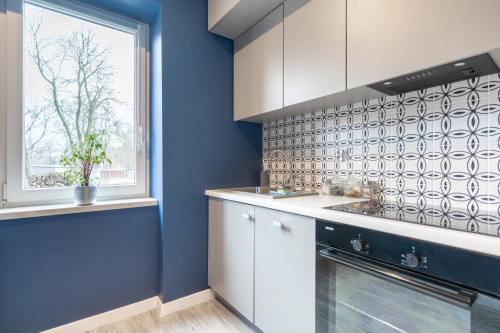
<point>357,294</point>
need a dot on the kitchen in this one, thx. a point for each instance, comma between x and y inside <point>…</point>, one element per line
<point>393,122</point>
<point>289,166</point>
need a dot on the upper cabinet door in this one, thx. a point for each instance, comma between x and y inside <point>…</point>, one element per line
<point>315,49</point>
<point>258,67</point>
<point>388,38</point>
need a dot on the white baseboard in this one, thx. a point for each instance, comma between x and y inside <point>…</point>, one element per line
<point>108,317</point>
<point>134,309</point>
<point>185,302</point>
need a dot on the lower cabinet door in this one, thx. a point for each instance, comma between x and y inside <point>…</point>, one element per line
<point>231,253</point>
<point>284,272</point>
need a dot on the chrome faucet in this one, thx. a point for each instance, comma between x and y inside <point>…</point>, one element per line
<point>288,182</point>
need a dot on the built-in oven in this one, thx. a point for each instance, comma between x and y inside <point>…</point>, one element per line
<point>370,281</point>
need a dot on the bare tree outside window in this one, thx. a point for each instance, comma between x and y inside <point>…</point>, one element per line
<point>79,79</point>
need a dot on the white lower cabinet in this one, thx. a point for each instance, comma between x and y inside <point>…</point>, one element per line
<point>231,253</point>
<point>284,272</point>
<point>262,262</point>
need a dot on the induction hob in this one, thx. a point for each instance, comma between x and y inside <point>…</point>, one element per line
<point>480,222</point>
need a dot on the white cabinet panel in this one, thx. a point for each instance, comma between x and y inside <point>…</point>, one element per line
<point>258,68</point>
<point>231,253</point>
<point>388,38</point>
<point>230,18</point>
<point>217,9</point>
<point>314,49</point>
<point>284,272</point>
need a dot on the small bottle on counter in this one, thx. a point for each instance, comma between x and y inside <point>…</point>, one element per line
<point>264,178</point>
<point>369,190</point>
<point>325,187</point>
<point>353,187</point>
<point>337,186</point>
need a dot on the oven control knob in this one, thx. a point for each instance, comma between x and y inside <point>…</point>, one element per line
<point>359,245</point>
<point>413,260</point>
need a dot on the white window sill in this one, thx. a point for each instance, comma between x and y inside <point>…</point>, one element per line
<point>62,209</point>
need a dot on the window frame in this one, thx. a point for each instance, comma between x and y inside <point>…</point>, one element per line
<point>3,99</point>
<point>16,194</point>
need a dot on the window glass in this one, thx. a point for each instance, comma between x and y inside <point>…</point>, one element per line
<point>79,78</point>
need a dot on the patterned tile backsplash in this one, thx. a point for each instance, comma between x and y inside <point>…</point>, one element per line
<point>438,149</point>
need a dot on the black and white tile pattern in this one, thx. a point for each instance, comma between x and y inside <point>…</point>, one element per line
<point>438,149</point>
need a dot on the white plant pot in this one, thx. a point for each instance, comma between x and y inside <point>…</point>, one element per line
<point>85,195</point>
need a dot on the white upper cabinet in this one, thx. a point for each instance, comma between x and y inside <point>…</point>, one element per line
<point>315,49</point>
<point>388,38</point>
<point>217,9</point>
<point>309,55</point>
<point>258,67</point>
<point>230,18</point>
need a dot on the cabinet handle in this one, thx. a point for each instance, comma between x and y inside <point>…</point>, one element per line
<point>278,224</point>
<point>247,216</point>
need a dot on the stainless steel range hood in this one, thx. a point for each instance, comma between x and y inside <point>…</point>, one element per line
<point>456,71</point>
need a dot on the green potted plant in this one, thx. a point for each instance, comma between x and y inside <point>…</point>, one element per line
<point>80,161</point>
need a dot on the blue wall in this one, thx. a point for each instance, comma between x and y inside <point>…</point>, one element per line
<point>55,270</point>
<point>202,146</point>
<point>142,10</point>
<point>156,138</point>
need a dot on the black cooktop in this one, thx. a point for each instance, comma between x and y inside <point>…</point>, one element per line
<point>479,222</point>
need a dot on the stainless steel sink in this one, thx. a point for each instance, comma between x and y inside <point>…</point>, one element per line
<point>267,192</point>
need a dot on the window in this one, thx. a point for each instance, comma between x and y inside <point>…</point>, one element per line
<point>74,70</point>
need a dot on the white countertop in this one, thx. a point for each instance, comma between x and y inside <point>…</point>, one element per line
<point>312,206</point>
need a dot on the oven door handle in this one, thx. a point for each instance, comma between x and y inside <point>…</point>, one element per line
<point>443,291</point>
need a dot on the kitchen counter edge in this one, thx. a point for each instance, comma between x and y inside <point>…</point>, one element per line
<point>312,206</point>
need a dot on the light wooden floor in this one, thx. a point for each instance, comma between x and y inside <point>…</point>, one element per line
<point>209,317</point>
